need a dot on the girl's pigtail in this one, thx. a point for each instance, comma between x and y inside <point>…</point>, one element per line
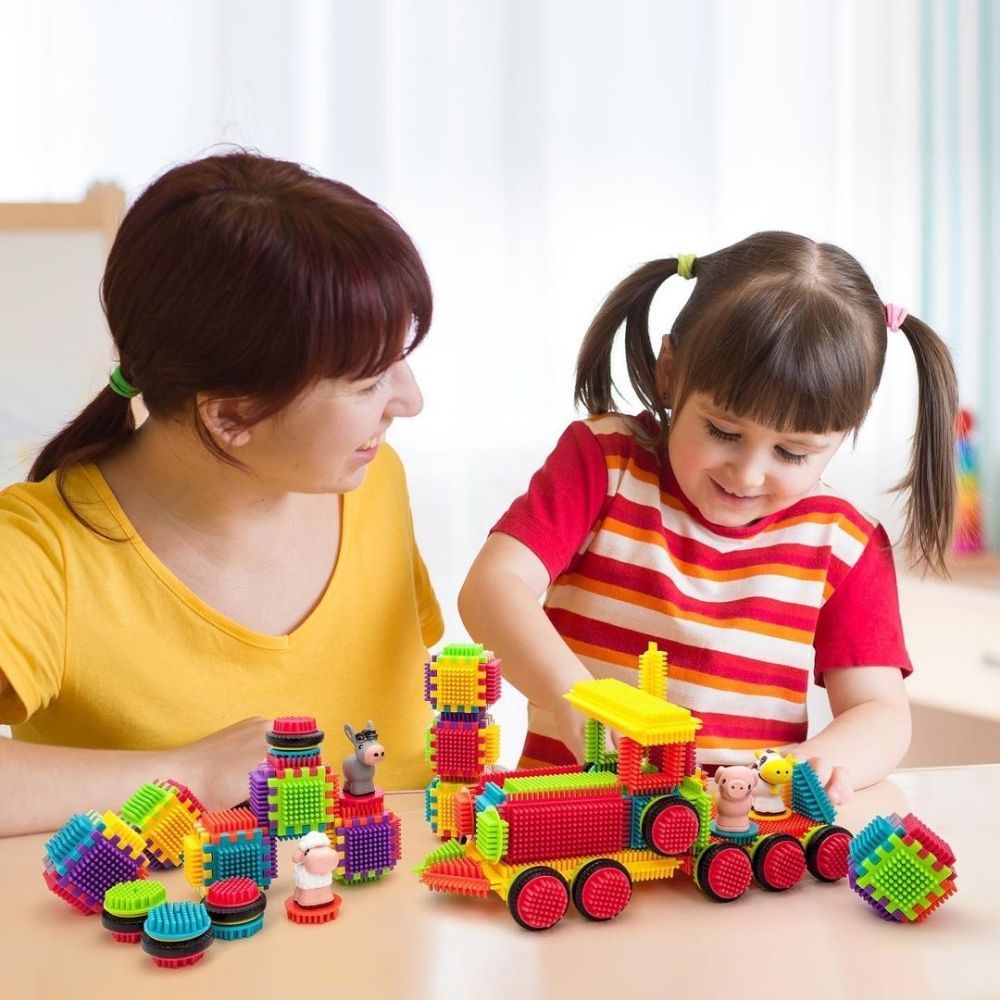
<point>930,481</point>
<point>97,430</point>
<point>628,303</point>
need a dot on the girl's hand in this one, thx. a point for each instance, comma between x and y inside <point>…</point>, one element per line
<point>836,780</point>
<point>570,725</point>
<point>217,766</point>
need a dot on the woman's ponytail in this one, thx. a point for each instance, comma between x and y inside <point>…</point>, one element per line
<point>103,425</point>
<point>930,481</point>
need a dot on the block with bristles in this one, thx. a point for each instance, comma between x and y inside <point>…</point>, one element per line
<point>88,855</point>
<point>126,905</point>
<point>369,847</point>
<point>901,868</point>
<point>462,679</point>
<point>440,807</point>
<point>164,812</point>
<point>236,908</point>
<point>809,797</point>
<point>300,800</point>
<point>228,844</point>
<point>176,934</point>
<point>461,749</point>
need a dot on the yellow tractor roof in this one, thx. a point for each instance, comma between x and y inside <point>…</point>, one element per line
<point>640,716</point>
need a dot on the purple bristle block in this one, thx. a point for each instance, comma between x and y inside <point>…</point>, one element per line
<point>371,847</point>
<point>259,792</point>
<point>100,866</point>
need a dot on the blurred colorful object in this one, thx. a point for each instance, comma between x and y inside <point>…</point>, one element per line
<point>969,520</point>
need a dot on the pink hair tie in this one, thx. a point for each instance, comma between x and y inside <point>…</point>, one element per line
<point>894,316</point>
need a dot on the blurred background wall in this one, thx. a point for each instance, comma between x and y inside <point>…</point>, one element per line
<point>537,152</point>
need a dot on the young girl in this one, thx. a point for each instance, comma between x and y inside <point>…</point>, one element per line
<point>703,523</point>
<point>246,552</point>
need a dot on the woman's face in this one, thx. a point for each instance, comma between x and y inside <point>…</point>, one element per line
<point>325,439</point>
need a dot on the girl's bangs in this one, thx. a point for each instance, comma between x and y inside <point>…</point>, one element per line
<point>782,360</point>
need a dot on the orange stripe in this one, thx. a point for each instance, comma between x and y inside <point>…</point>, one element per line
<point>725,743</point>
<point>686,674</point>
<point>845,525</point>
<point>622,464</point>
<point>600,653</point>
<point>636,597</point>
<point>693,570</point>
<point>731,684</point>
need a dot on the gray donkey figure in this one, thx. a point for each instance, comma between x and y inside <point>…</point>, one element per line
<point>359,770</point>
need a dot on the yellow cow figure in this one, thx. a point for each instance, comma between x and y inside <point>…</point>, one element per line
<point>775,770</point>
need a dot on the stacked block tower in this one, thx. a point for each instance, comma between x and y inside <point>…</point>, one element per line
<point>294,792</point>
<point>460,683</point>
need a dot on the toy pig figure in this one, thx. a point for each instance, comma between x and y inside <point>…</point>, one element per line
<point>313,863</point>
<point>359,770</point>
<point>736,784</point>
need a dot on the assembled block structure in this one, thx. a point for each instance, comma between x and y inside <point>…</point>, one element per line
<point>460,684</point>
<point>294,792</point>
<point>901,868</point>
<point>543,837</point>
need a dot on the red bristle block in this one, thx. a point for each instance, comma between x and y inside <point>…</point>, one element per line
<point>918,831</point>
<point>294,725</point>
<point>350,806</point>
<point>565,828</point>
<point>228,821</point>
<point>230,892</point>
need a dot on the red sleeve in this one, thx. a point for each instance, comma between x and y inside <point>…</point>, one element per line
<point>563,500</point>
<point>859,625</point>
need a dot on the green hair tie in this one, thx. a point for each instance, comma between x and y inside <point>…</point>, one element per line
<point>121,385</point>
<point>685,261</point>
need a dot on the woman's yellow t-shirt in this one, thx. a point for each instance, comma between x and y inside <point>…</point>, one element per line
<point>102,646</point>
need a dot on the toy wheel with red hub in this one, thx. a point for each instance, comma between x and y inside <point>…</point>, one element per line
<point>779,862</point>
<point>538,898</point>
<point>670,826</point>
<point>827,853</point>
<point>723,872</point>
<point>602,889</point>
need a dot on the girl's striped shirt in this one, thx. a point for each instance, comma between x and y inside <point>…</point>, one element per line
<point>747,615</point>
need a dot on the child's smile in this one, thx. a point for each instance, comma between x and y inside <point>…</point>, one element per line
<point>736,471</point>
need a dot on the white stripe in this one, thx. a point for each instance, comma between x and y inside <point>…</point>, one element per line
<point>815,534</point>
<point>663,626</point>
<point>699,698</point>
<point>649,555</point>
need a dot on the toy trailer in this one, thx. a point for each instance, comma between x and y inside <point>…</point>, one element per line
<point>540,838</point>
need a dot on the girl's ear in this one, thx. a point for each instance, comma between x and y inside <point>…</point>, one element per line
<point>224,418</point>
<point>664,370</point>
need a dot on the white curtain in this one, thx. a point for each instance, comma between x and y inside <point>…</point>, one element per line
<point>537,152</point>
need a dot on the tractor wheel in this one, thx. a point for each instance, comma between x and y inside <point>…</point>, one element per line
<point>723,872</point>
<point>670,826</point>
<point>827,852</point>
<point>602,889</point>
<point>538,898</point>
<point>779,862</point>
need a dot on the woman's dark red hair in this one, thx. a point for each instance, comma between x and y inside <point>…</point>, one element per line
<point>242,276</point>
